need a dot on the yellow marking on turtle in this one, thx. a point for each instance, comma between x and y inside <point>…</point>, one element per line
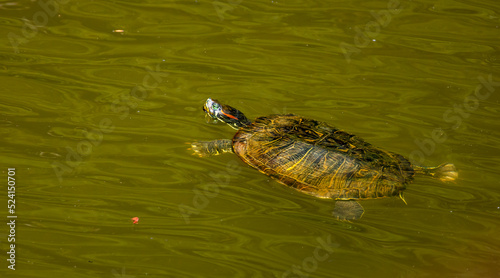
<point>335,175</point>
<point>319,133</point>
<point>265,151</point>
<point>402,198</point>
<point>322,137</point>
<point>374,178</point>
<point>293,166</point>
<point>272,142</point>
<point>325,162</point>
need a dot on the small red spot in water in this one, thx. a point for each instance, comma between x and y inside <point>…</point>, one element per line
<point>135,219</point>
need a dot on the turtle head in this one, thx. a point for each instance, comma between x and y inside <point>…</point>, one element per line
<point>225,113</point>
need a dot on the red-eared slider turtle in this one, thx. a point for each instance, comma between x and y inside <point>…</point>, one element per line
<point>316,159</point>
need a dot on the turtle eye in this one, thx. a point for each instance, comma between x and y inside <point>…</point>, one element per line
<point>215,106</point>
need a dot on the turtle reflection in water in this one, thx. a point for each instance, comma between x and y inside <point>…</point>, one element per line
<point>316,159</point>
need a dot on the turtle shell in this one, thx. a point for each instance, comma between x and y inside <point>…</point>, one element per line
<point>321,160</point>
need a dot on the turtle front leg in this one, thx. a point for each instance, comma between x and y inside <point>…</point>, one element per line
<point>209,148</point>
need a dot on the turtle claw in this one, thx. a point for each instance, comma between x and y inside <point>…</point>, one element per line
<point>198,149</point>
<point>209,148</point>
<point>346,210</point>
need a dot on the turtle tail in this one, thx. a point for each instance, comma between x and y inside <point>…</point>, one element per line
<point>444,172</point>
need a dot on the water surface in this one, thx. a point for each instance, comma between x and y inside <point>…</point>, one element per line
<point>99,100</point>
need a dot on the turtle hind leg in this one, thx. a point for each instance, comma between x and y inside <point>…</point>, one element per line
<point>348,210</point>
<point>209,148</point>
<point>443,172</point>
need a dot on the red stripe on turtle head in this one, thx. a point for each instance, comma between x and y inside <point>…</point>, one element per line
<point>229,115</point>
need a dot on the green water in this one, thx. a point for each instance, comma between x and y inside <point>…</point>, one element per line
<point>98,100</point>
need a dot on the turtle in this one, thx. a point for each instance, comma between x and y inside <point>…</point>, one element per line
<point>316,158</point>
